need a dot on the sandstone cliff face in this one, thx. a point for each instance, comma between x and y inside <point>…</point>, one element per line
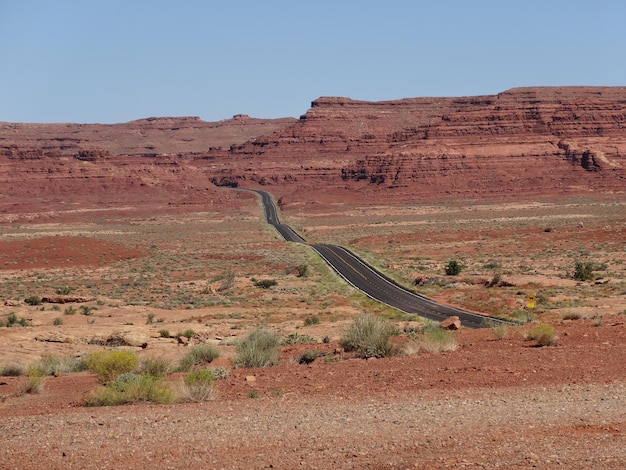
<point>44,167</point>
<point>522,141</point>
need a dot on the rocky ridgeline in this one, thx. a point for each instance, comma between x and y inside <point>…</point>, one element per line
<point>523,141</point>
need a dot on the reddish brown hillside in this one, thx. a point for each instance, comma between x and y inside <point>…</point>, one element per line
<point>523,141</point>
<point>52,169</point>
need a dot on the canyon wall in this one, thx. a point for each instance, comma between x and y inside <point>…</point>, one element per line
<point>526,141</point>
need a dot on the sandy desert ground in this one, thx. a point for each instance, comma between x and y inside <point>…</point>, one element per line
<point>497,401</point>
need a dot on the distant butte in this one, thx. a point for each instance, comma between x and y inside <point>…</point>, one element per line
<point>524,142</point>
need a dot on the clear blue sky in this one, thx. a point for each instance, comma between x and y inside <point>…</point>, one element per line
<point>114,61</point>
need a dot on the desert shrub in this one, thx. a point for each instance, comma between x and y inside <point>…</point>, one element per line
<point>583,271</point>
<point>64,290</point>
<point>33,300</point>
<point>369,336</point>
<point>311,320</point>
<point>220,373</point>
<point>197,355</point>
<point>131,388</point>
<point>32,385</point>
<point>295,338</point>
<point>12,370</point>
<point>57,321</point>
<point>54,365</point>
<point>155,366</point>
<point>572,316</point>
<point>453,268</point>
<point>197,387</point>
<point>150,319</point>
<point>164,333</point>
<point>69,310</point>
<point>436,339</point>
<point>108,365</point>
<point>265,283</point>
<point>326,339</point>
<point>13,320</point>
<point>86,310</point>
<point>259,348</point>
<point>187,333</point>
<point>545,335</point>
<point>302,270</point>
<point>308,356</point>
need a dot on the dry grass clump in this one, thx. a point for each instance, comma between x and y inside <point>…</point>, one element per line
<point>49,364</point>
<point>370,336</point>
<point>32,385</point>
<point>130,388</point>
<point>431,338</point>
<point>12,370</point>
<point>259,348</point>
<point>545,335</point>
<point>197,387</point>
<point>198,355</point>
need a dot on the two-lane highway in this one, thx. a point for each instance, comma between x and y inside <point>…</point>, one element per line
<point>365,278</point>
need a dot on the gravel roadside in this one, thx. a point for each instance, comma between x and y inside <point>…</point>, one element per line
<point>522,427</point>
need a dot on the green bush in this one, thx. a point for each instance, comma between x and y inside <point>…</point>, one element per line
<point>265,283</point>
<point>308,356</point>
<point>545,335</point>
<point>108,365</point>
<point>13,320</point>
<point>164,333</point>
<point>369,336</point>
<point>453,268</point>
<point>311,320</point>
<point>86,310</point>
<point>302,270</point>
<point>435,339</point>
<point>57,321</point>
<point>259,348</point>
<point>155,366</point>
<point>33,300</point>
<point>583,271</point>
<point>131,388</point>
<point>64,290</point>
<point>69,310</point>
<point>187,333</point>
<point>197,355</point>
<point>150,319</point>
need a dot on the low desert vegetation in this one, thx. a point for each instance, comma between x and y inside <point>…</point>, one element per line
<point>369,336</point>
<point>296,338</point>
<point>543,334</point>
<point>13,320</point>
<point>33,300</point>
<point>453,268</point>
<point>583,271</point>
<point>197,387</point>
<point>108,365</point>
<point>259,348</point>
<point>202,353</point>
<point>12,370</point>
<point>430,338</point>
<point>156,366</point>
<point>265,283</point>
<point>49,364</point>
<point>308,356</point>
<point>31,385</point>
<point>130,388</point>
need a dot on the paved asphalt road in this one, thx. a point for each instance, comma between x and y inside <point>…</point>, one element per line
<point>365,278</point>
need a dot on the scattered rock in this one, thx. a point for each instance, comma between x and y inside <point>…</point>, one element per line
<point>451,323</point>
<point>250,378</point>
<point>55,337</point>
<point>11,303</point>
<point>123,338</point>
<point>63,299</point>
